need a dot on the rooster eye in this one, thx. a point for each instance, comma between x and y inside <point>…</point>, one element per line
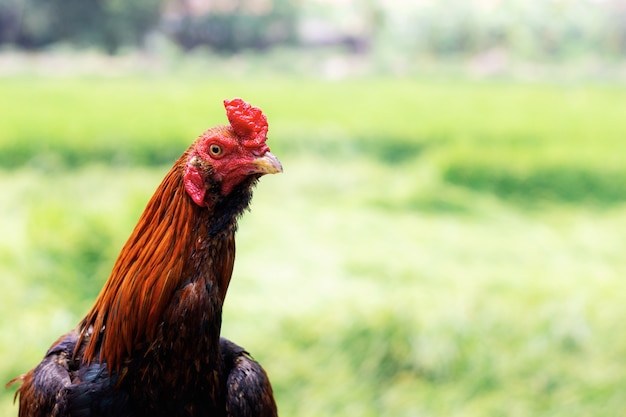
<point>216,150</point>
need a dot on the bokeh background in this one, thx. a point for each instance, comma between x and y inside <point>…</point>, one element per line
<point>448,237</point>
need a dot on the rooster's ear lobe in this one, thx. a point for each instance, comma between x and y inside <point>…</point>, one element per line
<point>194,183</point>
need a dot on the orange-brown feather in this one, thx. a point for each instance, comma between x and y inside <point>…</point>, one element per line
<point>146,274</point>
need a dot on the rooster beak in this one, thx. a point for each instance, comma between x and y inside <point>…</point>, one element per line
<point>267,164</point>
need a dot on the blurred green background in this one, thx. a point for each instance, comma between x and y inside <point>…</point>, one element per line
<point>447,237</point>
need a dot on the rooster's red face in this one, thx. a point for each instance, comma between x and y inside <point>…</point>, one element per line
<point>227,155</point>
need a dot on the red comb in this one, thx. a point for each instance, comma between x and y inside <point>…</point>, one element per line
<point>248,122</point>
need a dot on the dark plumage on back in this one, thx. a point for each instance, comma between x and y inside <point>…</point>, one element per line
<point>249,390</point>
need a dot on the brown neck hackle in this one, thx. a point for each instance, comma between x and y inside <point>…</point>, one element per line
<point>147,272</point>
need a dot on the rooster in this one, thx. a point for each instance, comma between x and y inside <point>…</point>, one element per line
<point>150,345</point>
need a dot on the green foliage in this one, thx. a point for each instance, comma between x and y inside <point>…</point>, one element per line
<point>433,247</point>
<point>535,30</point>
<point>108,24</point>
<point>236,30</point>
<point>514,29</point>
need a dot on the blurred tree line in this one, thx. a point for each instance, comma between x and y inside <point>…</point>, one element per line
<point>537,29</point>
<point>108,24</point>
<point>112,24</point>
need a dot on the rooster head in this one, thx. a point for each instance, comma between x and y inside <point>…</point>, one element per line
<point>225,156</point>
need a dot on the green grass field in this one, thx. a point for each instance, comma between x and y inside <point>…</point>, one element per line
<point>433,248</point>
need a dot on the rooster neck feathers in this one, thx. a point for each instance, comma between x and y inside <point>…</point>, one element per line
<point>178,255</point>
